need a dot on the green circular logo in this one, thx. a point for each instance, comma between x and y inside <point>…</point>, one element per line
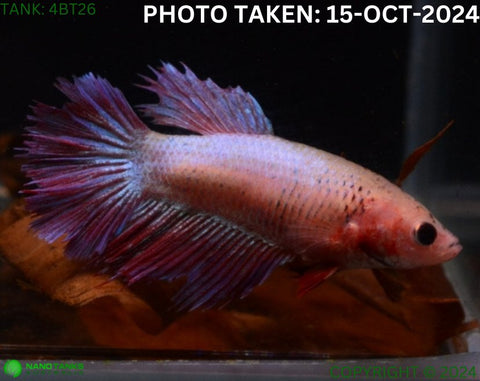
<point>13,368</point>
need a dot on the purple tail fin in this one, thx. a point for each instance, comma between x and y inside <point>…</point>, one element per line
<point>82,167</point>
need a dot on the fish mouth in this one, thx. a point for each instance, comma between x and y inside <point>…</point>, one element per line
<point>453,250</point>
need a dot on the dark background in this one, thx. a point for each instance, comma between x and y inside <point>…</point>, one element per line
<point>338,87</point>
<point>348,89</point>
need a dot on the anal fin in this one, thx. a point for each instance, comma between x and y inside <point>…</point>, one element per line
<point>220,260</point>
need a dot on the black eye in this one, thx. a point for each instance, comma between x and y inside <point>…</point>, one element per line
<point>425,234</point>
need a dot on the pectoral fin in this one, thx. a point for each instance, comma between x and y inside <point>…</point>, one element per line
<point>313,278</point>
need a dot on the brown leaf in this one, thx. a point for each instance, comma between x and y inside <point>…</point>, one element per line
<point>45,266</point>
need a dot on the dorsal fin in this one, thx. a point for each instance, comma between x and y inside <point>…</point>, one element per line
<point>202,106</point>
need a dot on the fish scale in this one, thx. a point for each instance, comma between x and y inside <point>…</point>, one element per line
<point>239,178</point>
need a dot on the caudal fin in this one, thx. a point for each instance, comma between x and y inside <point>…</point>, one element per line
<point>81,162</point>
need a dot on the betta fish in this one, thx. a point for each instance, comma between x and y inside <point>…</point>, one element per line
<point>221,206</point>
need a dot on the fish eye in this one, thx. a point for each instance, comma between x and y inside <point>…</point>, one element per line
<point>425,234</point>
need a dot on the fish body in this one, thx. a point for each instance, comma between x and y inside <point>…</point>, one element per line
<point>221,209</point>
<point>307,201</point>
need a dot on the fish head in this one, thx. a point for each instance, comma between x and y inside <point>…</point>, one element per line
<point>400,232</point>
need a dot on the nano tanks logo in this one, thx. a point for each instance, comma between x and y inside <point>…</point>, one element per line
<point>13,368</point>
